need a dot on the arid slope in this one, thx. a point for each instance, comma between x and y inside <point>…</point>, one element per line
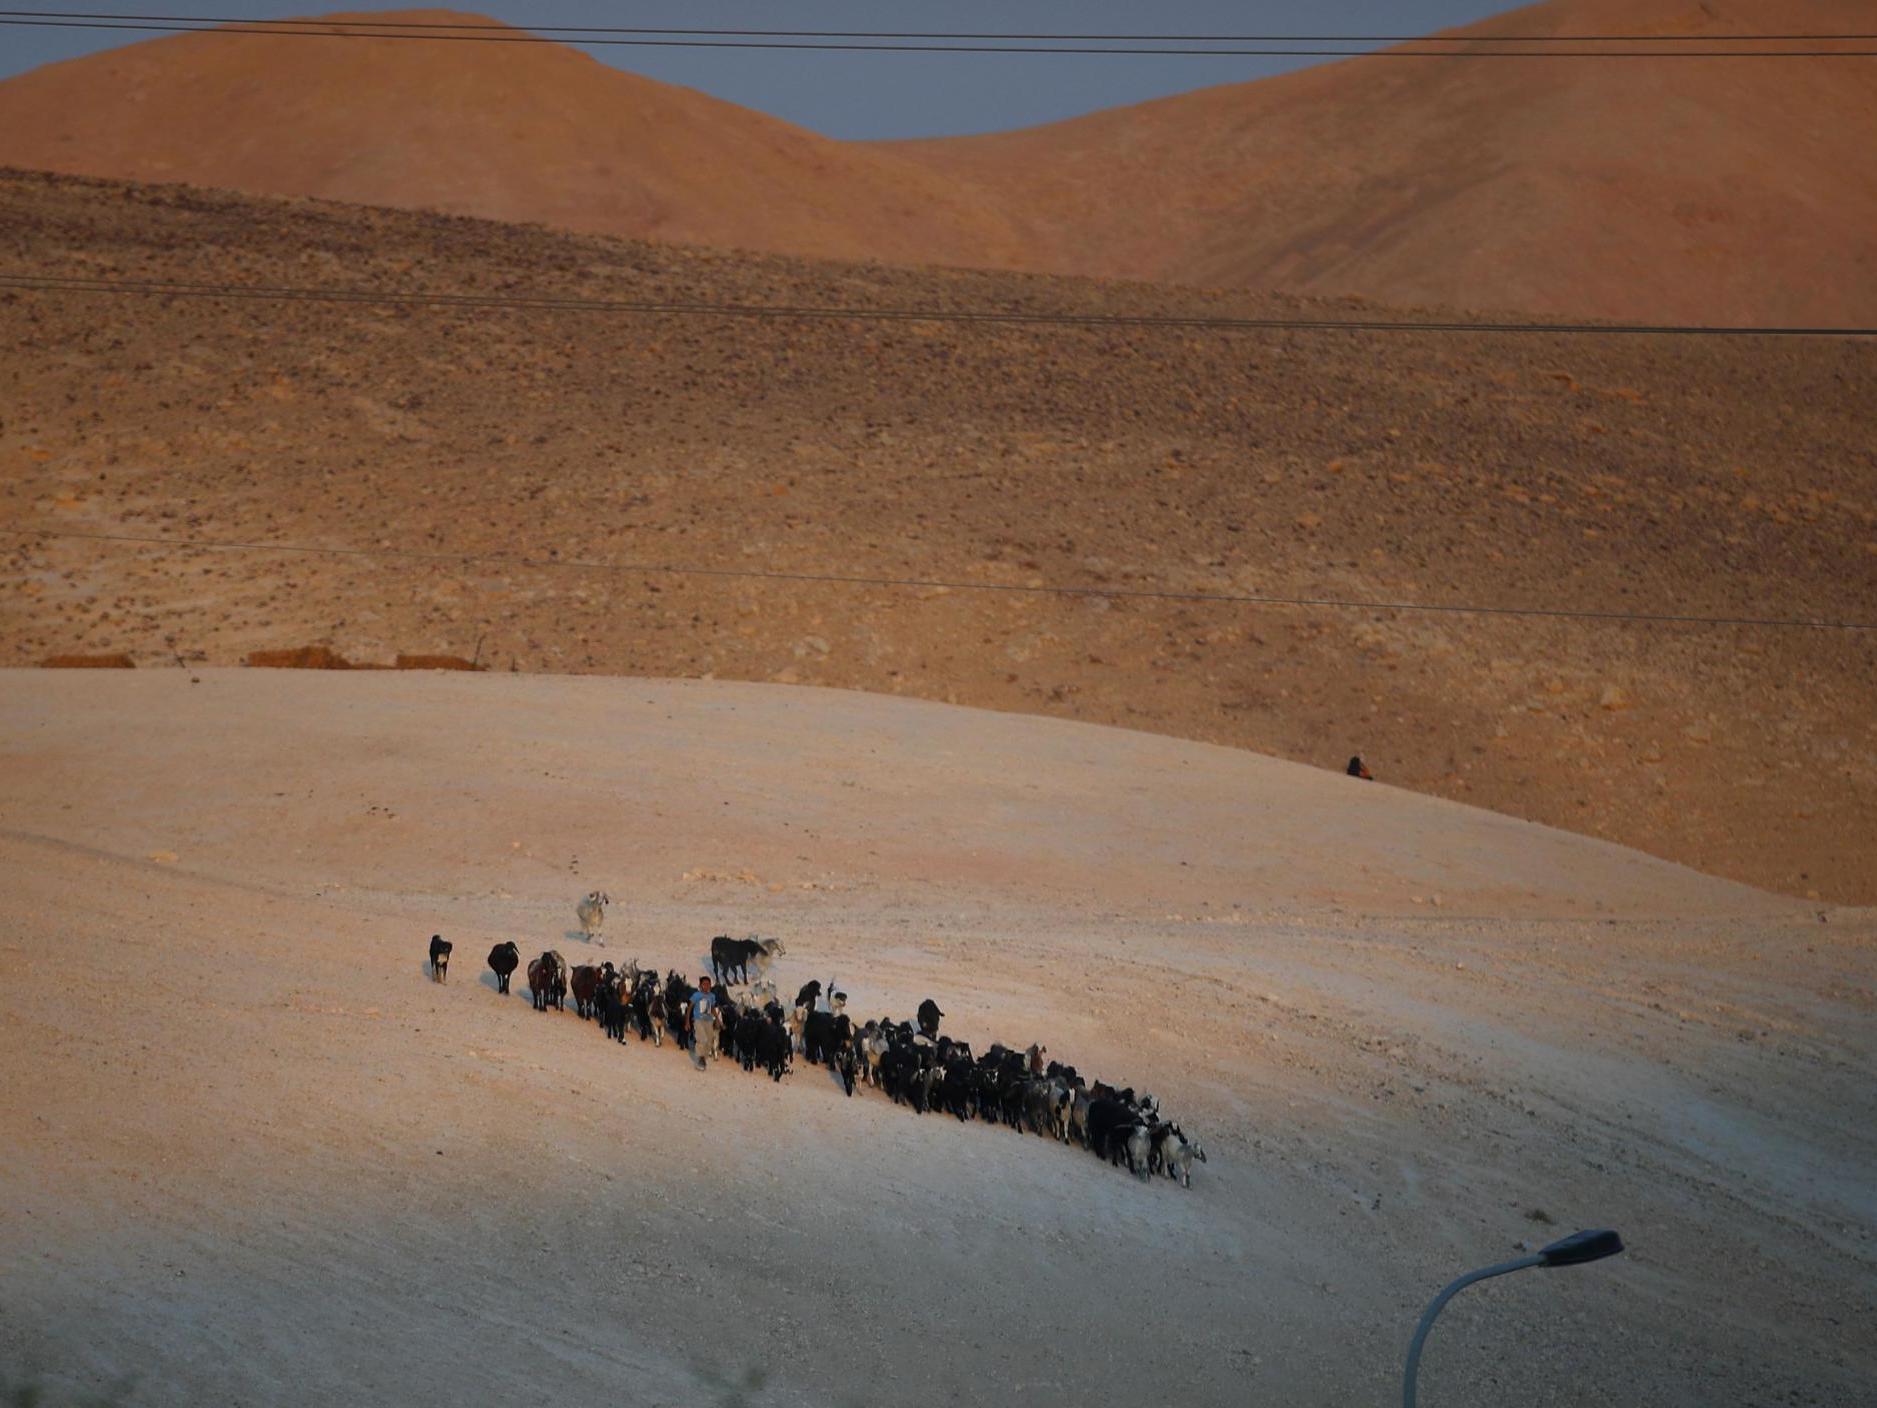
<point>293,1169</point>
<point>1586,473</point>
<point>537,132</point>
<point>1683,190</point>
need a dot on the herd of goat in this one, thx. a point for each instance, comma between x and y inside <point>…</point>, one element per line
<point>911,1063</point>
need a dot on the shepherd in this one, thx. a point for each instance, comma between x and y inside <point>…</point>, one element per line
<point>929,1015</point>
<point>703,1004</point>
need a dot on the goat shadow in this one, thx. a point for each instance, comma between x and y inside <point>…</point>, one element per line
<point>801,1064</point>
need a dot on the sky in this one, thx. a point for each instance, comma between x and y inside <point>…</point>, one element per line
<point>880,95</point>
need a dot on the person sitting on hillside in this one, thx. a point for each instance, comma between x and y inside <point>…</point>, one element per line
<point>1357,768</point>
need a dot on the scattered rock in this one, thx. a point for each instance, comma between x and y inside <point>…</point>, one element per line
<point>88,662</point>
<point>435,662</point>
<point>306,657</point>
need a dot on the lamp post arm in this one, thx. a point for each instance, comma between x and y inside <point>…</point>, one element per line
<point>1439,1304</point>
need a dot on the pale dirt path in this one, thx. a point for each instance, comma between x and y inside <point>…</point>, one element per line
<point>250,1155</point>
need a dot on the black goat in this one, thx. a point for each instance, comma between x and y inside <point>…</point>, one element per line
<point>899,1070</point>
<point>954,1093</point>
<point>678,1007</point>
<point>734,956</point>
<point>1013,1096</point>
<point>1107,1117</point>
<point>439,957</point>
<point>645,999</point>
<point>846,1057</point>
<point>774,1050</point>
<point>504,959</point>
<point>547,981</point>
<point>613,1006</point>
<point>585,986</point>
<point>747,1032</point>
<point>818,1037</point>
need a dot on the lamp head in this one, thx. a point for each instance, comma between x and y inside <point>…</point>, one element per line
<point>1580,1247</point>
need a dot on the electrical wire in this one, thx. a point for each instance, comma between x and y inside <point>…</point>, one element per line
<point>362,30</point>
<point>453,25</point>
<point>931,583</point>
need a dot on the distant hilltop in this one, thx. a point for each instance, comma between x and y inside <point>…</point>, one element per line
<point>1724,191</point>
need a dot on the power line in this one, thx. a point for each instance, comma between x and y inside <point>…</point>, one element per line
<point>472,25</point>
<point>930,583</point>
<point>52,283</point>
<point>362,30</point>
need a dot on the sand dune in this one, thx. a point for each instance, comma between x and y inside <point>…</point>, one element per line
<point>1716,191</point>
<point>257,1156</point>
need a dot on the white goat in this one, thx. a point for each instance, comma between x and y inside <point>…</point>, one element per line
<point>591,912</point>
<point>1180,1158</point>
<point>1140,1147</point>
<point>740,997</point>
<point>767,952</point>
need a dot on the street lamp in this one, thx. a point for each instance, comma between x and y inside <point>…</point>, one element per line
<point>1573,1250</point>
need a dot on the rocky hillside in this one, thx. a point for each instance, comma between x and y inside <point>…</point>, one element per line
<point>1702,477</point>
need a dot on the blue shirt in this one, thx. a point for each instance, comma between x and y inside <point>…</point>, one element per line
<point>701,1003</point>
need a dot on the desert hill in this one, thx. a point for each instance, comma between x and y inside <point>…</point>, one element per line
<point>1696,477</point>
<point>295,1161</point>
<point>1724,191</point>
<point>293,1168</point>
<point>536,133</point>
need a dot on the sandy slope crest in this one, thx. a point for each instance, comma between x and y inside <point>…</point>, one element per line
<point>250,1155</point>
<point>639,783</point>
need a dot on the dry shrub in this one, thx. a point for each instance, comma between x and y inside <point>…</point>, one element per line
<point>88,662</point>
<point>435,662</point>
<point>306,657</point>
